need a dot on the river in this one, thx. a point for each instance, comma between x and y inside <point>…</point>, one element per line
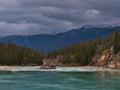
<point>30,78</point>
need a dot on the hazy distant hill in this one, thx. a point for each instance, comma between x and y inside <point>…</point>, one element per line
<point>46,42</point>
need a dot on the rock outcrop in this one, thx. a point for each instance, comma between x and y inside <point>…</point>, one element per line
<point>107,59</point>
<point>51,63</point>
<point>48,67</point>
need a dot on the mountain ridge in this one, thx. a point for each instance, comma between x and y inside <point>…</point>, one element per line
<point>48,42</point>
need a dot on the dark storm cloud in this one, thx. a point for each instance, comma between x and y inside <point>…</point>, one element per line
<point>48,16</point>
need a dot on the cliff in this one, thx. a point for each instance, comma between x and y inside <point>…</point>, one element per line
<point>107,59</point>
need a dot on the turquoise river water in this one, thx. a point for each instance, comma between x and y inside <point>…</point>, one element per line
<point>52,80</point>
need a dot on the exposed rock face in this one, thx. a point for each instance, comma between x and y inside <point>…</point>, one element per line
<point>55,62</point>
<point>107,59</point>
<point>51,63</point>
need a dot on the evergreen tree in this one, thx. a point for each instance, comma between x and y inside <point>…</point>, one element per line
<point>117,42</point>
<point>10,54</point>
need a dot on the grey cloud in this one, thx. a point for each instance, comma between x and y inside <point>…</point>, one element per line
<point>47,16</point>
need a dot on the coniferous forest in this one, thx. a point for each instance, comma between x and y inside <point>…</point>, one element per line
<point>82,53</point>
<point>10,54</point>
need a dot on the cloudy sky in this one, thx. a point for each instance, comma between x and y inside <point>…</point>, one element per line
<point>52,16</point>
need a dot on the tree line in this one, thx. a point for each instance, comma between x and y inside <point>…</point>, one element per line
<point>10,54</point>
<point>82,52</point>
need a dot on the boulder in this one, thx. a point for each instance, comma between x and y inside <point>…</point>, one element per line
<point>112,65</point>
<point>48,67</point>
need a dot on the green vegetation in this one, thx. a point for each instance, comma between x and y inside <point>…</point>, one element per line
<point>80,53</point>
<point>11,54</point>
<point>83,52</point>
<point>117,42</point>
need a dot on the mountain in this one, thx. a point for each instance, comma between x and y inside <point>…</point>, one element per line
<point>47,42</point>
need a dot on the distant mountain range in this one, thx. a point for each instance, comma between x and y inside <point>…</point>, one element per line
<point>47,42</point>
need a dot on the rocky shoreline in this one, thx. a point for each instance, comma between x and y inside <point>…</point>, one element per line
<point>105,59</point>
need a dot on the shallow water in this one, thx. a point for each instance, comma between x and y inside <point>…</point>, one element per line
<point>34,80</point>
<point>37,68</point>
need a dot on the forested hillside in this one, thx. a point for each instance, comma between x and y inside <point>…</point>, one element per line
<point>10,54</point>
<point>82,53</point>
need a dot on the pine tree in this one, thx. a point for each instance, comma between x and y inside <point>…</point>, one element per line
<point>117,42</point>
